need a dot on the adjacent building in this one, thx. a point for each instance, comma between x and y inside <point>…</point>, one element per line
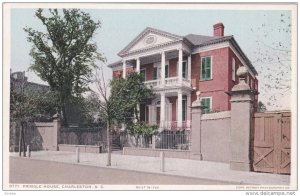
<point>176,67</point>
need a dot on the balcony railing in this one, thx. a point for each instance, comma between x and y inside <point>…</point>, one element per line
<point>169,82</point>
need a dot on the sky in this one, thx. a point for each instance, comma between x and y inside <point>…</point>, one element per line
<point>120,26</point>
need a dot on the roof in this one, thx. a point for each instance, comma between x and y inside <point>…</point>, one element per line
<point>115,64</point>
<point>199,39</point>
<point>193,40</point>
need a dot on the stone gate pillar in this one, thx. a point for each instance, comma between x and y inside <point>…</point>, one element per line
<point>196,129</point>
<point>241,123</point>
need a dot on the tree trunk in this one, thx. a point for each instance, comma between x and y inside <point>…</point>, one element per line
<point>64,116</point>
<point>108,144</point>
<point>20,141</point>
<point>23,145</point>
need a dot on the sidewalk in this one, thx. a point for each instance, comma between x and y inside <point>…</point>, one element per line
<point>176,167</point>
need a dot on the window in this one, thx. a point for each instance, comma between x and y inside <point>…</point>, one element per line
<point>184,110</point>
<point>206,102</point>
<point>166,71</point>
<point>155,73</point>
<point>143,73</point>
<point>184,69</point>
<point>206,68</point>
<point>233,69</point>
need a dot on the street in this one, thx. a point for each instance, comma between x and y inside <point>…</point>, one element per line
<point>30,171</point>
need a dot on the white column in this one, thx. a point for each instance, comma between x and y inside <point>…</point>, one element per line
<point>189,65</point>
<point>179,109</point>
<point>124,68</point>
<point>162,109</point>
<point>163,64</point>
<point>138,65</point>
<point>180,66</point>
<point>188,110</point>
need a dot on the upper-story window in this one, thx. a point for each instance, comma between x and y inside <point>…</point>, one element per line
<point>157,71</point>
<point>233,69</point>
<point>184,69</point>
<point>206,67</point>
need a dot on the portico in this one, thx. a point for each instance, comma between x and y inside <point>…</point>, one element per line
<point>165,61</point>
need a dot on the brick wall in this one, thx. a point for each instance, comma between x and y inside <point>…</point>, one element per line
<point>216,87</point>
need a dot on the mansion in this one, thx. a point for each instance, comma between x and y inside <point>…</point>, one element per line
<point>176,67</point>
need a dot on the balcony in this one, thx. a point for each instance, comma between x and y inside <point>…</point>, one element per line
<point>169,82</point>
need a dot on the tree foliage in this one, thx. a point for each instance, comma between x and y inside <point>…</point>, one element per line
<point>128,94</point>
<point>261,107</point>
<point>64,54</point>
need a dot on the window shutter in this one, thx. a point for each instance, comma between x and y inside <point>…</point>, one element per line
<point>166,71</point>
<point>203,69</point>
<point>206,102</point>
<point>208,68</point>
<point>184,110</point>
<point>184,69</point>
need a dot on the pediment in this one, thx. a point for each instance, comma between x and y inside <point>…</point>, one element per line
<point>149,38</point>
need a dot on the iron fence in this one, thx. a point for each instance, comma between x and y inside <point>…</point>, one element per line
<point>180,140</point>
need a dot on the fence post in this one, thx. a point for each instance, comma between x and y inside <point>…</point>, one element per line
<point>153,141</point>
<point>162,161</point>
<point>56,131</point>
<point>28,151</point>
<point>241,123</point>
<point>196,128</point>
<point>77,155</point>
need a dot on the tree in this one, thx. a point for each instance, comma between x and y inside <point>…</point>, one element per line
<point>27,105</point>
<point>107,106</point>
<point>261,107</point>
<point>117,101</point>
<point>64,55</point>
<point>129,93</point>
<point>272,58</point>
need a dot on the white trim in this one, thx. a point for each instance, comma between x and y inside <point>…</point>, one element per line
<point>154,51</point>
<point>241,59</point>
<point>211,47</point>
<point>233,64</point>
<point>211,68</point>
<point>210,101</point>
<point>219,46</point>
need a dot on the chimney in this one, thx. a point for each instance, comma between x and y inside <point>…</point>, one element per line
<point>219,29</point>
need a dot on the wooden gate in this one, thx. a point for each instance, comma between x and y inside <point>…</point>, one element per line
<point>272,142</point>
